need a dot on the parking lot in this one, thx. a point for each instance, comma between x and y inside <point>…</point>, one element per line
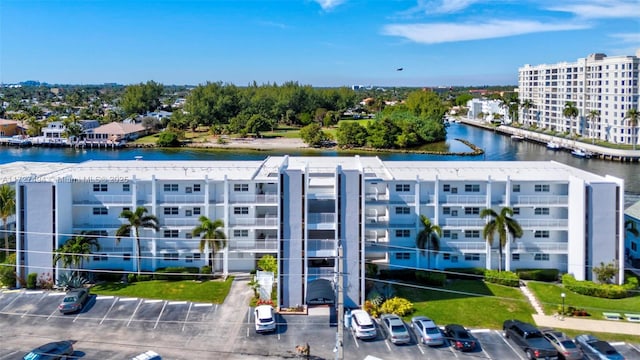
<point>111,327</point>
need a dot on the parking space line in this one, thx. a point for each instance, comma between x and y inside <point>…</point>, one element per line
<point>128,299</point>
<point>355,339</point>
<point>79,312</point>
<point>387,343</point>
<point>201,305</point>
<point>420,348</point>
<point>56,294</point>
<point>54,311</point>
<point>10,355</point>
<point>453,351</point>
<point>134,312</point>
<point>115,300</point>
<point>154,301</point>
<point>176,303</point>
<point>248,317</point>
<point>247,332</point>
<point>619,343</point>
<point>11,302</point>
<point>104,297</point>
<point>159,316</point>
<point>512,348</point>
<point>186,318</point>
<point>216,309</point>
<point>33,292</point>
<point>633,347</point>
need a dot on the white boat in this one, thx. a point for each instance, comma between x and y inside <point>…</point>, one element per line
<point>581,153</point>
<point>553,146</point>
<point>517,138</point>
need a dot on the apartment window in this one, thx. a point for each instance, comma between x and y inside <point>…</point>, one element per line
<point>403,187</point>
<point>515,257</point>
<point>516,211</point>
<point>446,256</point>
<point>454,236</point>
<point>241,210</point>
<point>100,211</point>
<point>541,234</point>
<point>171,233</point>
<point>472,188</point>
<point>403,256</point>
<point>171,256</point>
<point>541,188</point>
<point>541,211</point>
<point>403,210</point>
<point>196,211</point>
<point>240,187</point>
<point>446,187</point>
<point>472,211</point>
<point>515,188</point>
<point>472,234</point>
<point>171,211</point>
<point>446,233</point>
<point>541,257</point>
<point>404,233</point>
<point>196,187</point>
<point>241,233</point>
<point>188,190</point>
<point>188,213</point>
<point>100,187</point>
<point>472,257</point>
<point>446,210</point>
<point>196,256</point>
<point>126,187</point>
<point>454,190</point>
<point>634,246</point>
<point>188,259</point>
<point>188,235</point>
<point>170,187</point>
<point>126,257</point>
<point>454,212</point>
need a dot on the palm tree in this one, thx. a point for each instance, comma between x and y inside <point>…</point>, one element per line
<point>73,252</point>
<point>592,116</point>
<point>504,225</point>
<point>211,237</point>
<point>7,208</point>
<point>570,111</point>
<point>526,105</point>
<point>429,237</point>
<point>632,117</point>
<point>136,220</point>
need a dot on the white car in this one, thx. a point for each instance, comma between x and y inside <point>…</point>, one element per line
<point>149,355</point>
<point>362,325</point>
<point>427,331</point>
<point>265,318</point>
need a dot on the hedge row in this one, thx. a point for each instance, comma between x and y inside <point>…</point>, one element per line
<point>506,278</point>
<point>464,273</point>
<point>419,276</point>
<point>608,291</point>
<point>548,275</point>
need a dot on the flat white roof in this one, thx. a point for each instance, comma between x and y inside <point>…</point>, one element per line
<point>21,170</point>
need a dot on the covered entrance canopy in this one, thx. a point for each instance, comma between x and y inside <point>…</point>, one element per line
<point>320,292</point>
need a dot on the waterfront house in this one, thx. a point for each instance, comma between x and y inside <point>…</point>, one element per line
<point>9,128</point>
<point>116,132</point>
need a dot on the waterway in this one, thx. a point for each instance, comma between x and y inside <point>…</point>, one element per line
<point>497,148</point>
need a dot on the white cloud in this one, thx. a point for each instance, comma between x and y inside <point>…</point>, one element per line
<point>452,32</point>
<point>598,9</point>
<point>329,4</point>
<point>627,37</point>
<point>438,7</point>
<point>273,24</point>
<point>450,6</point>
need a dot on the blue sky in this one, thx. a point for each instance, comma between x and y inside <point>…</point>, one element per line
<point>320,43</point>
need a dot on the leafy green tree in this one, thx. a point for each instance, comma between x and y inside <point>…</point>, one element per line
<point>268,263</point>
<point>428,238</point>
<point>504,225</point>
<point>73,129</point>
<point>141,98</point>
<point>527,105</point>
<point>168,139</point>
<point>462,99</point>
<point>427,105</point>
<point>351,134</point>
<point>382,134</point>
<point>605,273</point>
<point>570,111</point>
<point>632,118</point>
<point>7,209</point>
<point>313,135</point>
<point>136,220</point>
<point>75,250</point>
<point>258,123</point>
<point>212,237</point>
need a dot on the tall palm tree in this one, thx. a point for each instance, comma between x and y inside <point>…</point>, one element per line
<point>592,116</point>
<point>502,224</point>
<point>632,117</point>
<point>526,105</point>
<point>7,208</point>
<point>429,238</point>
<point>211,237</point>
<point>136,220</point>
<point>75,250</point>
<point>570,111</point>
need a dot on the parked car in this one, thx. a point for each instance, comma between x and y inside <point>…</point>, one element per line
<point>148,355</point>
<point>566,348</point>
<point>53,350</point>
<point>460,337</point>
<point>530,339</point>
<point>396,329</point>
<point>427,331</point>
<point>265,318</point>
<point>74,300</point>
<point>362,325</point>
<point>597,349</point>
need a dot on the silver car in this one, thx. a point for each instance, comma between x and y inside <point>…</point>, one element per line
<point>565,346</point>
<point>396,329</point>
<point>427,331</point>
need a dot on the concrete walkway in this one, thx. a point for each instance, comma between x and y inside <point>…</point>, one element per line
<point>586,325</point>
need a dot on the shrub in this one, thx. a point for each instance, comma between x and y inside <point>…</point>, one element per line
<point>207,270</point>
<point>506,278</point>
<point>371,270</point>
<point>430,278</point>
<point>131,278</point>
<point>176,273</point>
<point>590,288</point>
<point>32,280</point>
<point>109,276</point>
<point>548,275</point>
<point>144,278</point>
<point>8,272</point>
<point>398,306</point>
<point>371,308</point>
<point>403,274</point>
<point>268,263</point>
<point>464,273</point>
<point>168,139</point>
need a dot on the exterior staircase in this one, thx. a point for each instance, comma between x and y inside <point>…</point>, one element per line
<point>532,298</point>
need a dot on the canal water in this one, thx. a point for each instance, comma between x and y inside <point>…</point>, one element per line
<point>497,148</point>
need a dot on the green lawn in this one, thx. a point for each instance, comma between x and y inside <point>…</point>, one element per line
<point>497,304</point>
<point>214,291</point>
<point>550,299</point>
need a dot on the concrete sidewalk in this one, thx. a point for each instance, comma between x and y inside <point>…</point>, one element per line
<point>588,325</point>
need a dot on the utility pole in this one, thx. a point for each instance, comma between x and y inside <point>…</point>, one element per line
<point>340,308</point>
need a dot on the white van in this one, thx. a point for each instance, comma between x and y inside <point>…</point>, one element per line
<point>362,325</point>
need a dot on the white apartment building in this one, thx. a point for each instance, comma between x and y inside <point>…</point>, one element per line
<point>487,109</point>
<point>300,209</point>
<point>603,88</point>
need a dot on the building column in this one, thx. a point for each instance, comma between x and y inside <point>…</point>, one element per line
<point>488,258</point>
<point>225,252</point>
<point>507,254</point>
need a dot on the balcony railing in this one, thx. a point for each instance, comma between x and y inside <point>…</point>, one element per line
<point>543,223</point>
<point>465,199</point>
<point>540,247</point>
<point>376,196</point>
<point>322,218</point>
<point>376,238</point>
<point>542,200</point>
<point>190,221</point>
<point>321,244</point>
<point>404,199</point>
<point>465,246</point>
<point>96,226</point>
<point>259,245</point>
<point>465,222</point>
<point>105,199</point>
<point>247,221</point>
<point>269,198</point>
<point>182,199</point>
